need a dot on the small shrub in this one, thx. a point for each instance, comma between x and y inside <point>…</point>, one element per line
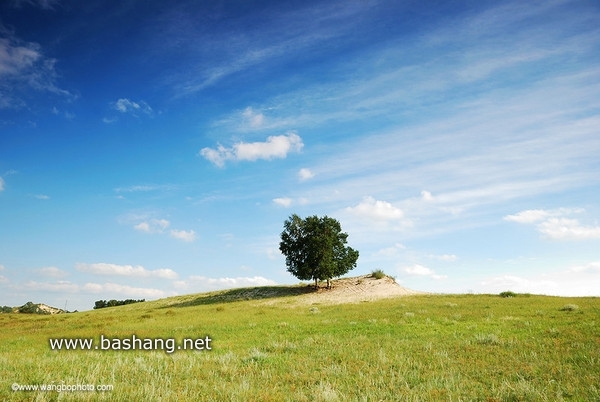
<point>487,339</point>
<point>508,293</point>
<point>569,307</point>
<point>378,274</point>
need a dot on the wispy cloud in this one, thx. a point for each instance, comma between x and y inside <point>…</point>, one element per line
<point>24,68</point>
<point>129,107</point>
<point>107,290</point>
<point>277,146</point>
<point>306,31</point>
<point>137,271</point>
<point>1,184</point>
<point>125,105</point>
<point>554,224</point>
<point>43,4</point>
<point>52,272</point>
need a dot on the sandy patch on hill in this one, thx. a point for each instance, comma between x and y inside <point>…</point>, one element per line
<point>355,290</point>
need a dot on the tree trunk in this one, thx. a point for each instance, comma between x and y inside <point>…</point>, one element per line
<point>316,283</point>
<point>328,284</point>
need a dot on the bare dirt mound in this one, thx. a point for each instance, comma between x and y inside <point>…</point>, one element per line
<point>356,290</point>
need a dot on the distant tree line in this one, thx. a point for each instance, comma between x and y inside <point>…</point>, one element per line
<point>6,309</point>
<point>113,303</point>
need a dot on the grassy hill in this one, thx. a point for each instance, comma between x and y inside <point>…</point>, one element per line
<point>277,344</point>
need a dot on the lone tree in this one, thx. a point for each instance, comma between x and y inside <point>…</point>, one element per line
<point>315,248</point>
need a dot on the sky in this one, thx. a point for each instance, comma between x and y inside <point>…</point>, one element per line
<point>151,148</point>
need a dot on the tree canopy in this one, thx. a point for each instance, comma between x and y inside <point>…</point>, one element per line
<point>315,248</point>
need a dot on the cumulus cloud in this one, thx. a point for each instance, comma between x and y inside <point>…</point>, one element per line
<point>277,146</point>
<point>568,229</point>
<point>125,270</point>
<point>554,224</point>
<point>420,270</point>
<point>528,216</point>
<point>305,174</point>
<point>373,209</point>
<point>187,236</point>
<point>226,283</point>
<point>580,280</point>
<point>152,226</point>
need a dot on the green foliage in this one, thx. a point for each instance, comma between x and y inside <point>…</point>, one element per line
<point>112,303</point>
<point>314,248</point>
<point>378,274</point>
<point>508,293</point>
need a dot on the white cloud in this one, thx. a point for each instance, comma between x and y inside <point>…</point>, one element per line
<point>125,105</point>
<point>52,272</point>
<point>252,118</point>
<point>226,283</point>
<point>592,268</point>
<point>125,270</point>
<point>528,216</point>
<point>426,196</point>
<point>1,184</point>
<point>420,270</point>
<point>42,197</point>
<point>444,257</point>
<point>187,236</point>
<point>277,146</point>
<point>554,225</point>
<point>305,174</point>
<point>284,202</point>
<point>390,251</point>
<point>152,226</point>
<point>3,279</point>
<point>581,280</point>
<point>568,229</point>
<point>370,208</point>
<point>58,286</point>
<point>24,63</point>
<point>114,289</point>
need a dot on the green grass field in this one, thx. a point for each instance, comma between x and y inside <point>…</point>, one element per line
<point>415,348</point>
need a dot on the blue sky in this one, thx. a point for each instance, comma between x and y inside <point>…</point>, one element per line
<point>152,148</point>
